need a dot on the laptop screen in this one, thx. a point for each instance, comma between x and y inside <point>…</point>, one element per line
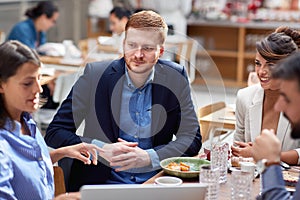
<point>143,192</point>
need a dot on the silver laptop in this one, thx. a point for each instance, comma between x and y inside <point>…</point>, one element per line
<point>143,192</point>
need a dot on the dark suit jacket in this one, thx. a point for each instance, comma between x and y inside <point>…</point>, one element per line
<point>96,98</point>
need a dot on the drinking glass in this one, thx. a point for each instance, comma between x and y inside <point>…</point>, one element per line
<point>210,176</point>
<point>219,159</point>
<point>241,184</point>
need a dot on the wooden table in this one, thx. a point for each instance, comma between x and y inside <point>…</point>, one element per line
<point>61,61</point>
<point>223,118</point>
<point>58,61</point>
<point>225,189</point>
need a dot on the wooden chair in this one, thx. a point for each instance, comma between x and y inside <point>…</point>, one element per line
<point>206,110</point>
<point>59,181</point>
<point>2,37</point>
<point>83,46</point>
<point>92,44</point>
<point>186,55</point>
<point>211,108</point>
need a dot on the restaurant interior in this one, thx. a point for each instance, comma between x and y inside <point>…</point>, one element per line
<point>215,40</point>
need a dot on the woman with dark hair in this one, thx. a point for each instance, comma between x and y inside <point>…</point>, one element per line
<point>255,104</point>
<point>32,31</point>
<point>26,170</point>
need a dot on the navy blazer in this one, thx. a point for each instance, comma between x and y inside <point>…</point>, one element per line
<point>96,99</point>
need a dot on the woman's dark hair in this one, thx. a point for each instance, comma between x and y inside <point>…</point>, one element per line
<point>13,55</point>
<point>44,7</point>
<point>279,44</point>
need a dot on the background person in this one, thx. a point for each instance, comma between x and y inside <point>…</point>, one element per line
<point>26,170</point>
<point>267,147</point>
<point>255,104</point>
<point>118,18</point>
<point>132,107</point>
<point>32,31</point>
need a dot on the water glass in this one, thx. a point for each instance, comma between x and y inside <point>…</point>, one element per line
<point>248,167</point>
<point>241,184</point>
<point>210,176</point>
<point>219,159</point>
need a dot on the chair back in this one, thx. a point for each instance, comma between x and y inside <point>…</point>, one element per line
<point>203,111</point>
<point>186,55</point>
<point>59,181</point>
<point>206,110</point>
<point>2,37</point>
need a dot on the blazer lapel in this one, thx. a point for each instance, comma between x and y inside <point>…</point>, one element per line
<point>282,128</point>
<point>116,79</point>
<point>255,114</point>
<point>158,96</point>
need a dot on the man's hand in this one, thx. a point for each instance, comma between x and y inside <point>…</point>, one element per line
<point>266,146</point>
<point>115,149</point>
<point>135,158</point>
<point>244,149</point>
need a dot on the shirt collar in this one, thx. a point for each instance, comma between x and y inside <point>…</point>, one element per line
<point>130,83</point>
<point>9,125</point>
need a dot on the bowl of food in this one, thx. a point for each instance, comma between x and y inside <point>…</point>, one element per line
<point>183,167</point>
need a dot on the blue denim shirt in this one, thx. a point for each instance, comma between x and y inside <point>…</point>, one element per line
<point>135,126</point>
<point>26,33</point>
<point>274,187</point>
<point>26,170</point>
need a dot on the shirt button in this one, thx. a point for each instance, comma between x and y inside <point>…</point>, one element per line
<point>40,158</point>
<point>135,136</point>
<point>140,92</point>
<point>137,113</point>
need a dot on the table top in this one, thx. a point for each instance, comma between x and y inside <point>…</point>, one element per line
<point>61,61</point>
<point>45,79</point>
<point>225,189</point>
<point>225,115</point>
<point>223,118</point>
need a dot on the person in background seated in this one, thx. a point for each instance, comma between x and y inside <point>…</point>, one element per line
<point>32,31</point>
<point>132,107</point>
<point>118,18</point>
<point>26,170</point>
<point>266,149</point>
<point>255,104</point>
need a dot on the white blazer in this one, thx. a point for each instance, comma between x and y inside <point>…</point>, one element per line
<point>249,106</point>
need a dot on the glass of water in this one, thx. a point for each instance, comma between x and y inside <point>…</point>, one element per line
<point>219,159</point>
<point>241,184</point>
<point>210,176</point>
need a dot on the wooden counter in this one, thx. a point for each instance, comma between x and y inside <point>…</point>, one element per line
<point>231,47</point>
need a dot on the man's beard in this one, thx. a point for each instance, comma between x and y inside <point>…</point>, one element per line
<point>295,129</point>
